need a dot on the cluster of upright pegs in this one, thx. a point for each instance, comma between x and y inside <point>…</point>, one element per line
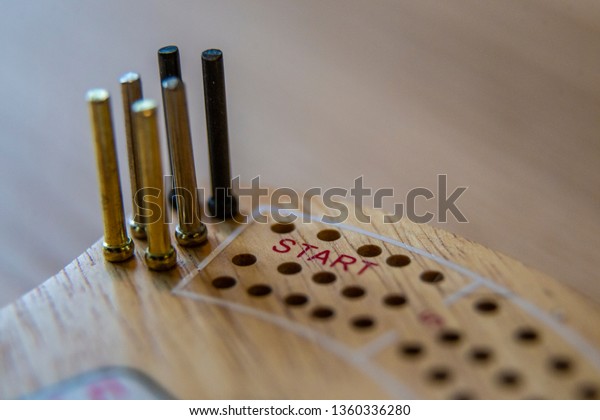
<point>145,167</point>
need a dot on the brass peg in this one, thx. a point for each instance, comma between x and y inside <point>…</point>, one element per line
<point>131,91</point>
<point>117,245</point>
<point>190,231</point>
<point>160,254</point>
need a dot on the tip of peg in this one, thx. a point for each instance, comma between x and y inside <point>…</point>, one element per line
<point>129,77</point>
<point>169,49</point>
<point>97,95</point>
<point>212,55</point>
<point>144,105</point>
<point>168,62</point>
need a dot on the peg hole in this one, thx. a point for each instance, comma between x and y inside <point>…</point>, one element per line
<point>369,251</point>
<point>322,312</point>
<point>289,268</point>
<point>432,276</point>
<point>259,290</point>
<point>395,300</point>
<point>509,378</point>
<point>283,227</point>
<point>527,335</point>
<point>363,322</point>
<point>353,292</point>
<point>588,392</point>
<point>439,374</point>
<point>324,277</point>
<point>449,336</point>
<point>224,282</point>
<point>244,260</point>
<point>480,354</point>
<point>411,350</point>
<point>296,299</point>
<point>561,364</point>
<point>463,395</point>
<point>397,260</point>
<point>329,235</point>
<point>486,306</point>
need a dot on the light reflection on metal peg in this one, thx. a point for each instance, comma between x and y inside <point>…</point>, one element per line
<point>160,254</point>
<point>190,231</point>
<point>117,245</point>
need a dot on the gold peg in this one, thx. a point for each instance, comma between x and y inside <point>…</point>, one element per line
<point>190,231</point>
<point>117,245</point>
<point>131,91</point>
<point>160,254</point>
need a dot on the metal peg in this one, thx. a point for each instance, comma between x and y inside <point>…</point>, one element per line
<point>131,91</point>
<point>117,246</point>
<point>160,254</point>
<point>223,204</point>
<point>190,231</point>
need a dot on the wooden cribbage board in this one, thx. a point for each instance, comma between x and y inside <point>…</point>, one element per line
<point>256,313</point>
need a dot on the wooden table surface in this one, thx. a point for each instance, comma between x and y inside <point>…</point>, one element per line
<point>504,97</point>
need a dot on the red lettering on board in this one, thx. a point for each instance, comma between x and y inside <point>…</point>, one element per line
<point>286,248</point>
<point>366,265</point>
<point>306,247</point>
<point>321,256</point>
<point>345,260</point>
<point>431,318</point>
<point>285,245</point>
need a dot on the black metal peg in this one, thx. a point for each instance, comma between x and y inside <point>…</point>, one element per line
<point>223,204</point>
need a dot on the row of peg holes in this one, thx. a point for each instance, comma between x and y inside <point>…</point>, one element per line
<point>290,268</point>
<point>523,335</point>
<point>440,375</point>
<point>299,299</point>
<point>487,306</point>
<point>558,364</point>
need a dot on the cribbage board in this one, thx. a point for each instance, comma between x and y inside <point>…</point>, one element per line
<point>304,310</point>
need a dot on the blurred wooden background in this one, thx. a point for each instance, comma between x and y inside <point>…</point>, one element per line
<point>503,96</point>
